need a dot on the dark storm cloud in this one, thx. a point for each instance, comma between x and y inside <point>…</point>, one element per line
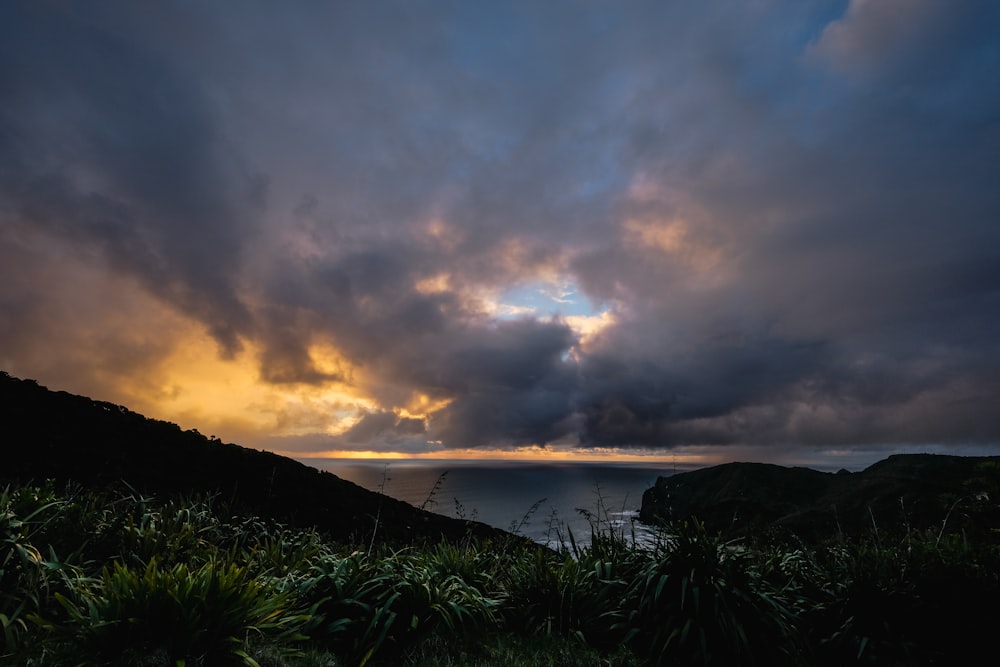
<point>635,401</point>
<point>789,210</point>
<point>373,425</point>
<point>855,226</point>
<point>510,382</point>
<point>113,147</point>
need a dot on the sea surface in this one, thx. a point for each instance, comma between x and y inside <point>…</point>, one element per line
<point>543,501</point>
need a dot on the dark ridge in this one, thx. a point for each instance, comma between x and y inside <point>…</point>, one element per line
<point>69,438</point>
<point>919,491</point>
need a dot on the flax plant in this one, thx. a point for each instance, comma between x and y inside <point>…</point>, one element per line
<point>200,615</point>
<point>26,575</point>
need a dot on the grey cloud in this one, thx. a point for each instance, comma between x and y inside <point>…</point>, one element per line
<point>114,147</point>
<point>375,425</point>
<point>374,431</point>
<point>274,174</point>
<point>915,41</point>
<point>510,382</point>
<point>634,401</point>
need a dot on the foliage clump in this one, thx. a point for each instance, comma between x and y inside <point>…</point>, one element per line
<point>118,578</point>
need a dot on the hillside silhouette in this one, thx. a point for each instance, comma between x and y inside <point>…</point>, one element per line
<point>913,490</point>
<point>69,438</point>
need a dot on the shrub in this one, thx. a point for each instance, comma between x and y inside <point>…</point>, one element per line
<point>563,596</point>
<point>696,604</point>
<point>25,575</point>
<point>203,615</point>
<point>347,596</point>
<point>386,604</point>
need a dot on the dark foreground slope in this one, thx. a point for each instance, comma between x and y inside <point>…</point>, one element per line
<point>60,436</point>
<point>915,490</point>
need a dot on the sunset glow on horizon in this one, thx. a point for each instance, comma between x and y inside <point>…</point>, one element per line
<point>522,454</point>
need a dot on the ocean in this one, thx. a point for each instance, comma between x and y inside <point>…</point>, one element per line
<point>542,501</point>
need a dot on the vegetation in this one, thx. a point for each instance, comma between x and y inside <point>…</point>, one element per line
<point>222,555</point>
<point>92,577</point>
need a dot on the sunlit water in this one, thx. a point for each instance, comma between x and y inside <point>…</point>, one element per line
<point>543,501</point>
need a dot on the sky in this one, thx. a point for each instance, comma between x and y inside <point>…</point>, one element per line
<point>757,230</point>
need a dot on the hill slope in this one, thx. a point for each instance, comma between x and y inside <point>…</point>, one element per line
<point>61,436</point>
<point>913,489</point>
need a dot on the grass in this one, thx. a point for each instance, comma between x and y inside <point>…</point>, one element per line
<point>119,578</point>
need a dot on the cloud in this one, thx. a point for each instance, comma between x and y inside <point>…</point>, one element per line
<point>918,40</point>
<point>777,219</point>
<point>374,425</point>
<point>875,34</point>
<point>110,145</point>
